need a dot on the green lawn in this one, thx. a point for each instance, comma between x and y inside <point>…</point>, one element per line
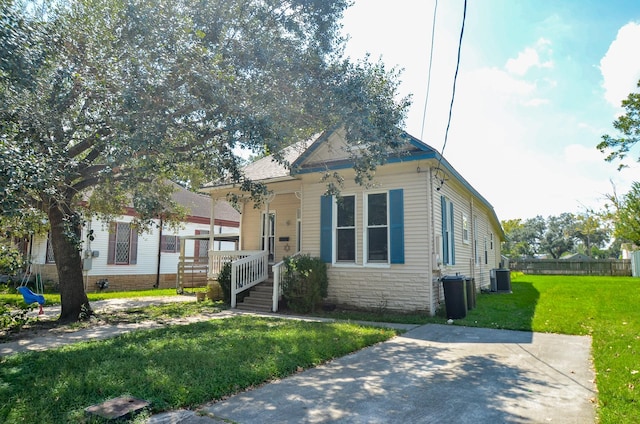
<point>175,367</point>
<point>16,300</point>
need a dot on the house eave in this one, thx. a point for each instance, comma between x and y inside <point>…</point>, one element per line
<point>235,186</point>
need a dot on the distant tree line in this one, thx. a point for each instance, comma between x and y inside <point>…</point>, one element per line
<point>588,233</point>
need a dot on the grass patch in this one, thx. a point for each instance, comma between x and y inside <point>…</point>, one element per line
<point>161,313</point>
<point>175,367</point>
<point>15,299</point>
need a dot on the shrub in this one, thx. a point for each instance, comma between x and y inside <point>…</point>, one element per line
<point>13,320</point>
<point>224,279</point>
<point>10,260</point>
<point>305,283</point>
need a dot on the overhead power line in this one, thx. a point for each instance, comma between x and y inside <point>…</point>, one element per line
<point>426,100</point>
<point>453,93</point>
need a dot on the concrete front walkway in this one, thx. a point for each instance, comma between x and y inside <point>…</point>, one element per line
<point>431,374</point>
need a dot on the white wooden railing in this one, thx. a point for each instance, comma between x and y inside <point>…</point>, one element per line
<point>247,272</point>
<point>217,258</point>
<point>279,272</point>
<point>248,268</point>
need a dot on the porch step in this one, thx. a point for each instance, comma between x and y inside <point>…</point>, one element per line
<point>259,298</point>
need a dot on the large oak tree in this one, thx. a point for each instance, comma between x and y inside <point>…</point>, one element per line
<point>103,100</point>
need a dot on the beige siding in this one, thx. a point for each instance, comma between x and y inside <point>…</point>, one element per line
<point>284,203</point>
<point>401,287</point>
<point>412,286</point>
<point>468,262</point>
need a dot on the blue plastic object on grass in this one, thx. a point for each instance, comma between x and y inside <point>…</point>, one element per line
<point>30,297</point>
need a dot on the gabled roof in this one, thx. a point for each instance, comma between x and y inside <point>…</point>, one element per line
<point>268,168</point>
<point>199,205</point>
<point>330,151</point>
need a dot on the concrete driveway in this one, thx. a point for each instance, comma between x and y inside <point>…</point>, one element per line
<point>431,374</point>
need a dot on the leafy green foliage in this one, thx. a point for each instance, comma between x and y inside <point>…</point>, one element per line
<point>13,319</point>
<point>305,283</point>
<point>559,235</point>
<point>10,260</point>
<point>524,238</point>
<point>224,279</point>
<point>556,235</point>
<point>627,215</point>
<point>109,99</point>
<point>617,148</point>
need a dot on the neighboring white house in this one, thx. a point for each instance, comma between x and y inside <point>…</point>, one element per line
<point>386,246</point>
<point>132,261</point>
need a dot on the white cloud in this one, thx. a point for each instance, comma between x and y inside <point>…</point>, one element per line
<point>492,82</point>
<point>526,59</point>
<point>530,58</point>
<point>536,102</point>
<point>620,66</point>
<point>580,155</point>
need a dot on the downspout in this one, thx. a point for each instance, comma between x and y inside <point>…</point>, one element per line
<point>473,242</point>
<point>157,284</point>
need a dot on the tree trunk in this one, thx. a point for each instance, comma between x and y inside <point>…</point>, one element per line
<point>68,263</point>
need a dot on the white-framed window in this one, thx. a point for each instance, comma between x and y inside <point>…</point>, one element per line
<point>345,233</point>
<point>465,228</point>
<point>377,228</point>
<point>366,233</point>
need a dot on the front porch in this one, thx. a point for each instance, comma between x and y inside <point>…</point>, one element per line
<point>248,270</point>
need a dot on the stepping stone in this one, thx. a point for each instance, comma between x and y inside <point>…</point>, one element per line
<point>117,408</point>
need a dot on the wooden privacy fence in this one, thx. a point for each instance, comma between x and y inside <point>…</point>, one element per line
<point>613,267</point>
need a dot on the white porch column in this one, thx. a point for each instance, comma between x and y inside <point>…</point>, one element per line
<point>212,224</point>
<point>240,243</point>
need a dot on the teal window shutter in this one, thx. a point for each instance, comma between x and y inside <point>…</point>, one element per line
<point>326,242</point>
<point>452,236</point>
<point>396,226</point>
<point>445,241</point>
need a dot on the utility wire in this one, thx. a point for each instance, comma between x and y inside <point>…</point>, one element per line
<point>426,100</point>
<point>453,93</point>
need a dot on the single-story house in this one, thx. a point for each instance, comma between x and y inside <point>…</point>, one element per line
<point>115,252</point>
<point>387,245</point>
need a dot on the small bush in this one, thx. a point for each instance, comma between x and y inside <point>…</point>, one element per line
<point>12,320</point>
<point>305,283</point>
<point>224,279</point>
<point>10,260</point>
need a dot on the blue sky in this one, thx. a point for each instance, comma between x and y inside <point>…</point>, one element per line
<point>540,82</point>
